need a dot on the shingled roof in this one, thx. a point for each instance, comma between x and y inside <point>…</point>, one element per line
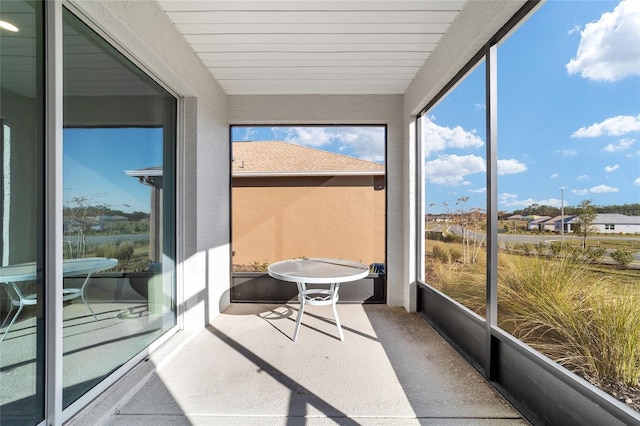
<point>277,158</point>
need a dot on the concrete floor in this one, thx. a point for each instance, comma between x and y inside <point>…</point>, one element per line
<point>391,369</point>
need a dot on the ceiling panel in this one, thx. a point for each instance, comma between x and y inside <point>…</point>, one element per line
<point>313,46</point>
<point>268,47</point>
<point>310,5</point>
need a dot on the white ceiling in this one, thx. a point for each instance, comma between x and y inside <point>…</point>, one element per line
<point>313,46</point>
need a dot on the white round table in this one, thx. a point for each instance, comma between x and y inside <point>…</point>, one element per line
<point>13,274</point>
<point>318,271</point>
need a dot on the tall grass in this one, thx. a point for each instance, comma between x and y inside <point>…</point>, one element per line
<point>561,308</point>
<point>465,283</point>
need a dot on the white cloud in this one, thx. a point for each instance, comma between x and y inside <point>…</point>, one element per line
<point>637,181</point>
<point>610,169</point>
<point>307,136</point>
<point>511,200</point>
<point>553,176</point>
<point>622,145</point>
<point>614,126</point>
<point>479,190</point>
<point>249,133</point>
<point>583,177</point>
<point>567,152</point>
<point>438,138</point>
<point>366,142</point>
<point>600,189</point>
<point>452,169</point>
<point>575,29</point>
<point>510,167</point>
<point>506,197</point>
<point>610,47</point>
<point>479,106</point>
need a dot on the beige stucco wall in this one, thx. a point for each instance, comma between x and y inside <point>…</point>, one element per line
<point>284,218</point>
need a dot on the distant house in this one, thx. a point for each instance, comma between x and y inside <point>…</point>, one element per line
<point>537,224</point>
<point>613,223</point>
<point>114,218</point>
<point>515,217</point>
<point>293,201</point>
<point>555,224</point>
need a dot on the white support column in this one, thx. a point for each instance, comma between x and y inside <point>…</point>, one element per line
<point>53,212</point>
<point>412,225</point>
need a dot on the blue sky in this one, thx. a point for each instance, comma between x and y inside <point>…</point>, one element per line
<point>569,116</point>
<point>95,161</point>
<point>364,142</point>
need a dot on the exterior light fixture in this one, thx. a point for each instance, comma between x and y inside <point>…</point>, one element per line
<point>8,26</point>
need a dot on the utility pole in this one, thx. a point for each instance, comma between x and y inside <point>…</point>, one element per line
<point>562,214</point>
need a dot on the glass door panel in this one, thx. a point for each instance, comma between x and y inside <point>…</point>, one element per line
<point>118,209</point>
<point>21,213</point>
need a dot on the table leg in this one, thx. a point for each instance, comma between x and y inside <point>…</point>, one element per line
<point>84,299</point>
<point>334,299</point>
<point>301,297</point>
<point>19,302</point>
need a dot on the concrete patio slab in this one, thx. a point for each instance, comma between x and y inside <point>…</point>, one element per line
<point>391,369</point>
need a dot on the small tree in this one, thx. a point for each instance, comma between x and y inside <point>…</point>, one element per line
<point>78,219</point>
<point>585,214</point>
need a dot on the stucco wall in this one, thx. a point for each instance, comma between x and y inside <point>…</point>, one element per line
<point>282,218</point>
<point>142,31</point>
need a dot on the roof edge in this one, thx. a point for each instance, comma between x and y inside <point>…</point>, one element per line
<point>299,174</point>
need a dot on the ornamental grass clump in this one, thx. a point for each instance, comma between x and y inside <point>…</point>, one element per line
<point>616,325</point>
<point>559,308</point>
<point>462,282</point>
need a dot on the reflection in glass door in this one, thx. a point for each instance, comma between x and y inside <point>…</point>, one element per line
<point>118,209</point>
<point>21,214</point>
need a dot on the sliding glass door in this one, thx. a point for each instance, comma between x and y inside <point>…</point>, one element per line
<point>118,209</point>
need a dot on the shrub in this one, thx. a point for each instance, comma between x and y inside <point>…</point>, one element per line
<point>622,256</point>
<point>451,238</point>
<point>556,248</point>
<point>254,266</point>
<point>541,248</point>
<point>455,254</point>
<point>593,254</point>
<point>441,253</point>
<point>121,251</point>
<point>527,248</point>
